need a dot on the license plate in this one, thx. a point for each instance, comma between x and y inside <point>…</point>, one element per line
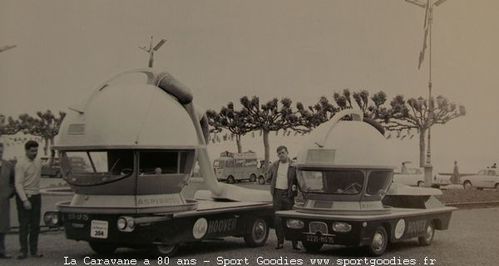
<point>320,239</point>
<point>98,229</point>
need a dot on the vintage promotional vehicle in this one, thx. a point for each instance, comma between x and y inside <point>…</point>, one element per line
<point>235,167</point>
<point>138,137</point>
<point>485,178</point>
<point>349,195</point>
<point>410,176</point>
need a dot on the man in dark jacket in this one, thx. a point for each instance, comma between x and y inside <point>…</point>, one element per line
<point>283,189</point>
<point>6,192</point>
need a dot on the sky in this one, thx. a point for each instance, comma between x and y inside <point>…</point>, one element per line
<point>284,48</point>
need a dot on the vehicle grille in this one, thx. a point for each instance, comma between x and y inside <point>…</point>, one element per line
<point>315,227</point>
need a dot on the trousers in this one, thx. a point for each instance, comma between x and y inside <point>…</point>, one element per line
<point>281,201</point>
<point>29,224</point>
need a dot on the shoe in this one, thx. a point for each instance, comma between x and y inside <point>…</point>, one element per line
<point>37,255</point>
<point>279,246</point>
<point>22,256</point>
<point>3,256</point>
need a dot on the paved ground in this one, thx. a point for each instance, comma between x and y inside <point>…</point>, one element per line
<point>471,240</point>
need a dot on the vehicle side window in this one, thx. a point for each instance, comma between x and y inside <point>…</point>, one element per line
<point>481,172</point>
<point>239,163</point>
<point>229,164</point>
<point>250,162</point>
<point>159,162</point>
<point>378,182</point>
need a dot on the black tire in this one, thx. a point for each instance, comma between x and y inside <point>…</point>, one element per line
<point>165,250</point>
<point>420,184</point>
<point>467,185</point>
<point>231,180</point>
<point>261,180</point>
<point>103,248</point>
<point>252,178</point>
<point>427,238</point>
<point>379,242</point>
<point>311,247</point>
<point>258,232</point>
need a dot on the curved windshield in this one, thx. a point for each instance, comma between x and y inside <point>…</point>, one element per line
<point>96,167</point>
<point>346,182</point>
<point>378,182</point>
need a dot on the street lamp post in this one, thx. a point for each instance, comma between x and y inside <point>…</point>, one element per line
<point>428,5</point>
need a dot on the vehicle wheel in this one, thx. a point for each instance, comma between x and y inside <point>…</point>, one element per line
<point>231,180</point>
<point>379,242</point>
<point>258,234</point>
<point>252,178</point>
<point>427,238</point>
<point>103,248</point>
<point>166,250</point>
<point>467,185</point>
<point>420,184</point>
<point>261,180</point>
<point>311,246</point>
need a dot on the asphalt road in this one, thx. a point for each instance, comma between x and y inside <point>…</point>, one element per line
<point>471,240</point>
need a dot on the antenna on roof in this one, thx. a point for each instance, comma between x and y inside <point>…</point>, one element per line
<point>152,49</point>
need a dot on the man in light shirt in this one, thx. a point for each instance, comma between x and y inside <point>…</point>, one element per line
<point>283,190</point>
<point>29,201</point>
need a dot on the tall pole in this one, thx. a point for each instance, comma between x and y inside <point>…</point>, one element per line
<point>430,105</point>
<point>428,5</point>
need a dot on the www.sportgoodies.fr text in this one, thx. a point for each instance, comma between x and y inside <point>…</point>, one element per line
<point>286,261</point>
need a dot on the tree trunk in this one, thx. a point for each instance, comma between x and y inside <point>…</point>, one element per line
<point>52,152</point>
<point>238,142</point>
<point>422,134</point>
<point>266,147</point>
<point>46,146</point>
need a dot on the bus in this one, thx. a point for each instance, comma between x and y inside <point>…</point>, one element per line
<point>234,167</point>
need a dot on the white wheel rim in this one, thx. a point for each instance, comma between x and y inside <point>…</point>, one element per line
<point>259,231</point>
<point>378,241</point>
<point>429,233</point>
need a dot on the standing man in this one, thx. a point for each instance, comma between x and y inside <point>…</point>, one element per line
<point>29,201</point>
<point>6,192</point>
<point>455,174</point>
<point>283,189</point>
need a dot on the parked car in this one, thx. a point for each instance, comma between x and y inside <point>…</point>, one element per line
<point>51,169</point>
<point>485,178</point>
<point>410,177</point>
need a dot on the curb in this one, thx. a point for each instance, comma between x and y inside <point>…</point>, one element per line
<point>471,204</point>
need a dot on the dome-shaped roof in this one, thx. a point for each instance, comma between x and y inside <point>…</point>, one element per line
<point>347,143</point>
<point>140,115</point>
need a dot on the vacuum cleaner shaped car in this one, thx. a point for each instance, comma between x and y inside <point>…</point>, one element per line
<point>136,141</point>
<point>346,181</point>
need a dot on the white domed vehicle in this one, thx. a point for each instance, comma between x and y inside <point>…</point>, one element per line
<point>345,176</point>
<point>128,154</point>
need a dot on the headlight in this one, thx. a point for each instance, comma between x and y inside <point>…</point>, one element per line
<point>125,224</point>
<point>121,223</point>
<point>51,219</point>
<point>295,224</point>
<point>341,227</point>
